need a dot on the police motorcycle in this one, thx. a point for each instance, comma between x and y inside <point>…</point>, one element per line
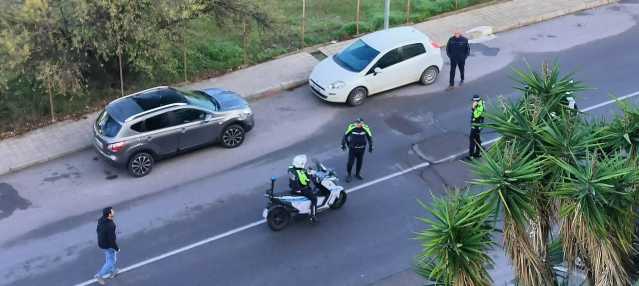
<point>282,207</point>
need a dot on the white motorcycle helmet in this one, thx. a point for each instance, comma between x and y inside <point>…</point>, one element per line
<point>300,161</point>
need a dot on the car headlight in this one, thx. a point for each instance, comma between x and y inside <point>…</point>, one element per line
<point>337,85</point>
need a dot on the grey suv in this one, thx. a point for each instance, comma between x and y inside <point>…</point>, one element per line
<point>138,129</point>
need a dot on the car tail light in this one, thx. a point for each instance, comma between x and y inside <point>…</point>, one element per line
<point>435,45</point>
<point>116,147</point>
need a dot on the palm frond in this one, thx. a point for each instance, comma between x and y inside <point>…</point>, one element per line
<point>455,247</point>
<point>508,174</point>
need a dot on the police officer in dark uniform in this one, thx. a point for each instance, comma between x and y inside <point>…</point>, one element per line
<point>300,183</point>
<point>457,50</point>
<point>476,118</point>
<point>356,136</point>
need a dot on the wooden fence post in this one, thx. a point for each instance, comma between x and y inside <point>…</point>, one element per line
<point>407,11</point>
<point>186,77</point>
<point>303,20</point>
<point>245,38</point>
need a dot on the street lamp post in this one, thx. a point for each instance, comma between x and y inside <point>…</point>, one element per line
<point>386,13</point>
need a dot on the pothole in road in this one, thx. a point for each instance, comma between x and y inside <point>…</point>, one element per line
<point>484,50</point>
<point>403,125</point>
<point>10,201</point>
<point>71,172</point>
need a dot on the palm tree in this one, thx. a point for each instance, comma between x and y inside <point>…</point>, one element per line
<point>456,244</point>
<point>597,202</point>
<point>511,174</point>
<point>552,167</point>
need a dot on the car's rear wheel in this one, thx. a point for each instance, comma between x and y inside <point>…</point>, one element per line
<point>357,96</point>
<point>140,164</point>
<point>429,76</point>
<point>232,136</point>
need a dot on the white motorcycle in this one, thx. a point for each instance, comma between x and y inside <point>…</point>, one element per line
<point>282,207</point>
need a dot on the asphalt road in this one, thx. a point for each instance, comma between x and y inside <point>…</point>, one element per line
<point>48,228</point>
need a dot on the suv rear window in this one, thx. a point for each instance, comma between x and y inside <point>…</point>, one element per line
<point>108,126</point>
<point>157,122</point>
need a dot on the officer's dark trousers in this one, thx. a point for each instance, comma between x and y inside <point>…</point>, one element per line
<point>309,194</point>
<point>455,63</point>
<point>355,154</point>
<point>475,142</point>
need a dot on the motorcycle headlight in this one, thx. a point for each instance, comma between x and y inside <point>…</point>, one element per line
<point>337,85</point>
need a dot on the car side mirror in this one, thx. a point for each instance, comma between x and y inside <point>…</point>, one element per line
<point>377,70</point>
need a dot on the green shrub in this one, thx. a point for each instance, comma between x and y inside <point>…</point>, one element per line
<point>215,56</point>
<point>393,20</point>
<point>349,29</point>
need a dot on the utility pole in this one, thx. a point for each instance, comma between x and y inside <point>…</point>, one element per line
<point>386,13</point>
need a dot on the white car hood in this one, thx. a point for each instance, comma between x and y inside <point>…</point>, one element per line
<point>328,72</point>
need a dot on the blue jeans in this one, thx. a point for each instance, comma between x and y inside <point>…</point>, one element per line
<point>109,265</point>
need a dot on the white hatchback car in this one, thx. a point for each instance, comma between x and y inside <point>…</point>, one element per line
<point>377,62</point>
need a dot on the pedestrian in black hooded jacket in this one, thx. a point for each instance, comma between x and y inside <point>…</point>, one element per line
<point>457,50</point>
<point>107,242</point>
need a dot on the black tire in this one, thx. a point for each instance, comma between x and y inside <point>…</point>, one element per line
<point>278,218</point>
<point>140,164</point>
<point>429,76</point>
<point>339,202</point>
<point>232,136</point>
<point>357,96</point>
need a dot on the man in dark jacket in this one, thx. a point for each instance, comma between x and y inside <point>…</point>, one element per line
<point>356,136</point>
<point>107,242</point>
<point>457,50</point>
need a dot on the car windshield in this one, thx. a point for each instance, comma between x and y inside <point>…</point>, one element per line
<point>108,126</point>
<point>200,99</point>
<point>356,57</point>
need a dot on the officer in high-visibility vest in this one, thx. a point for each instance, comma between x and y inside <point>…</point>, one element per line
<point>356,136</point>
<point>477,117</point>
<point>300,182</point>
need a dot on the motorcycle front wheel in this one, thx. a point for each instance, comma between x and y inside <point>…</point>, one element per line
<point>278,218</point>
<point>339,202</point>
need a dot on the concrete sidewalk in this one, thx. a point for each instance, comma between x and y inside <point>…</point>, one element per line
<point>288,72</point>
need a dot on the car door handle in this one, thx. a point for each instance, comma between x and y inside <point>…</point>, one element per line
<point>148,138</point>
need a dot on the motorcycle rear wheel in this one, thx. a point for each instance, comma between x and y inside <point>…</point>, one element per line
<point>278,218</point>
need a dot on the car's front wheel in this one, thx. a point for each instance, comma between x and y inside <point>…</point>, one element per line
<point>429,76</point>
<point>357,96</point>
<point>232,136</point>
<point>140,164</point>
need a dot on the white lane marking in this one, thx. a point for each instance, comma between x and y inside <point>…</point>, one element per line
<point>354,189</point>
<point>388,177</point>
<point>248,226</point>
<point>491,141</point>
<point>611,101</point>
